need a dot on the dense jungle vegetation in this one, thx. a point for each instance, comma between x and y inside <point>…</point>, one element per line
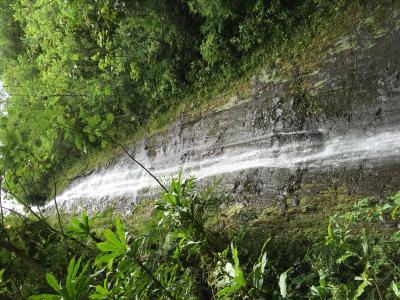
<point>85,76</point>
<point>187,249</point>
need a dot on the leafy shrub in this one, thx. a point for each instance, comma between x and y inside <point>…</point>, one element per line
<point>182,253</point>
<point>77,283</point>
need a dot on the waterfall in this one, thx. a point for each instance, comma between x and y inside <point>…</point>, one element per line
<point>127,181</point>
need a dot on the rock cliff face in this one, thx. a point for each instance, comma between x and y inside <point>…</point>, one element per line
<point>330,129</point>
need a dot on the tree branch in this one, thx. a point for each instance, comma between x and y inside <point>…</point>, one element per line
<point>59,221</point>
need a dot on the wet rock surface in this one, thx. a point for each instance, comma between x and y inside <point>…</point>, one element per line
<point>333,127</point>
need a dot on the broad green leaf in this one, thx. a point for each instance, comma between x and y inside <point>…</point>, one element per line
<point>112,238</point>
<point>394,214</point>
<point>395,289</point>
<point>257,274</point>
<point>239,279</point>
<point>52,281</point>
<point>361,289</point>
<point>329,237</point>
<point>109,247</point>
<point>282,283</point>
<point>345,256</point>
<point>365,282</point>
<point>107,259</point>
<point>120,231</point>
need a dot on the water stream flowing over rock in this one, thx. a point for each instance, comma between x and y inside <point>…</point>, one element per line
<point>125,180</point>
<point>334,126</point>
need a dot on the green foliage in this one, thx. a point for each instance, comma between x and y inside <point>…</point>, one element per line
<point>358,248</point>
<point>396,289</point>
<point>3,287</point>
<point>234,279</point>
<point>181,252</point>
<point>257,274</point>
<point>77,283</point>
<point>282,284</point>
<point>80,228</point>
<point>115,245</point>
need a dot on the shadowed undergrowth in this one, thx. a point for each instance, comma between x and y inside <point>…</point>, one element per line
<point>192,244</point>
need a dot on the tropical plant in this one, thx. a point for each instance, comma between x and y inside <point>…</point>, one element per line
<point>178,255</point>
<point>76,287</point>
<point>82,227</point>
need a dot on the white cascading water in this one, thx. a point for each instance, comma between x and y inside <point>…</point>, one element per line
<point>123,181</point>
<point>10,205</point>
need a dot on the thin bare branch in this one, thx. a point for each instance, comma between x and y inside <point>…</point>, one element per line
<point>59,220</point>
